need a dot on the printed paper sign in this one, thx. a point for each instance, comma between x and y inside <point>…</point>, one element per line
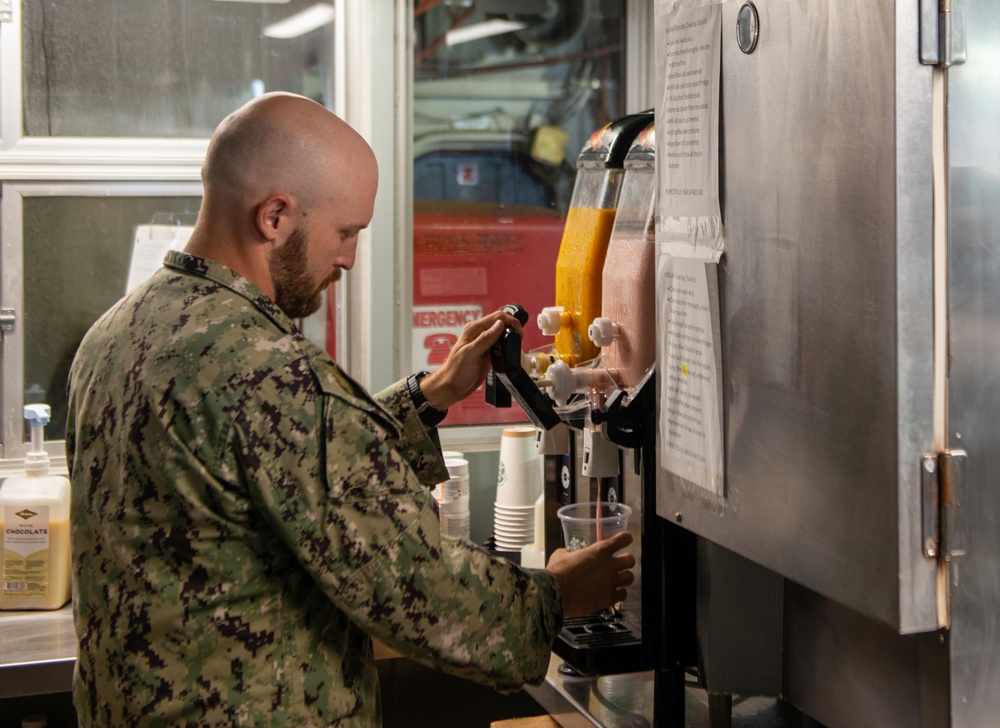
<point>468,175</point>
<point>690,367</point>
<point>687,124</point>
<point>689,243</point>
<point>150,245</point>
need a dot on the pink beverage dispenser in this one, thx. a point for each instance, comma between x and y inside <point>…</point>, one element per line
<point>625,332</point>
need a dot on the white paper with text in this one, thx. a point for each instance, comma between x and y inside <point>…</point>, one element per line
<point>690,243</point>
<point>150,244</point>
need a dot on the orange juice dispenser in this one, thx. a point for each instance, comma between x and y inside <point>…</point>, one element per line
<point>618,387</point>
<point>579,269</point>
<point>585,240</point>
<point>612,398</point>
<point>606,398</point>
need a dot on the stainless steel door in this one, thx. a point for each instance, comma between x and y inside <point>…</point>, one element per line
<point>974,348</point>
<point>826,305</point>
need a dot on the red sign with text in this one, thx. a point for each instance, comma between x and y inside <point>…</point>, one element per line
<point>469,259</point>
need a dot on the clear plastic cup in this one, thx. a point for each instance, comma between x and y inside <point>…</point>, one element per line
<point>584,524</point>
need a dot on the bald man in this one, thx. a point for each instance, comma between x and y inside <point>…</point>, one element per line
<point>245,517</point>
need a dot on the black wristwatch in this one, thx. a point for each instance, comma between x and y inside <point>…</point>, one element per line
<point>429,415</point>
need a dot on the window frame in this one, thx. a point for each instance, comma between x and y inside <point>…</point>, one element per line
<point>86,167</point>
<point>374,302</point>
<point>12,200</point>
<point>639,96</point>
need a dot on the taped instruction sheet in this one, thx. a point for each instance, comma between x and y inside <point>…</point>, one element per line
<point>689,242</point>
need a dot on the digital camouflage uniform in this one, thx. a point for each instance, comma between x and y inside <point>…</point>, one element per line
<point>245,518</point>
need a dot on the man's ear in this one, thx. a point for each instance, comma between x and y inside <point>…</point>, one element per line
<point>276,218</point>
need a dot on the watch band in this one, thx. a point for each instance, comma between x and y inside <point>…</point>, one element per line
<point>429,415</point>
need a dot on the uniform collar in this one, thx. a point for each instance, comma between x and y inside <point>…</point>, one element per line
<point>218,273</point>
<point>331,378</point>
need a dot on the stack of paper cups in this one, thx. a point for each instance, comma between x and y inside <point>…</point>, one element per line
<point>519,484</point>
<point>453,499</point>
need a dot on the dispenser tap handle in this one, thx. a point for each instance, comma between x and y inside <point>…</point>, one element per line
<point>603,332</point>
<point>517,311</point>
<point>550,320</point>
<point>506,358</point>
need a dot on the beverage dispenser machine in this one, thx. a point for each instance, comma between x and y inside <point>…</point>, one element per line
<point>851,149</point>
<point>597,381</point>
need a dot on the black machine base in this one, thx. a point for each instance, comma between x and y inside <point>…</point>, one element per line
<point>599,645</point>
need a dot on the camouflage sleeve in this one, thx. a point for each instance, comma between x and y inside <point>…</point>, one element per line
<point>333,484</point>
<point>420,446</point>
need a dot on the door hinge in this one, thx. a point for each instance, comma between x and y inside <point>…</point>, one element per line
<point>8,317</point>
<point>942,32</point>
<point>943,478</point>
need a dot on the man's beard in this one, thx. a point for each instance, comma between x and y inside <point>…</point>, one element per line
<point>295,293</point>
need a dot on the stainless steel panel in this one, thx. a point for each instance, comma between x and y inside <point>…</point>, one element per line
<point>826,289</point>
<point>974,397</point>
<point>847,671</point>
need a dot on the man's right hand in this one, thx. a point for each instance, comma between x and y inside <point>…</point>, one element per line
<point>593,578</point>
<point>468,363</point>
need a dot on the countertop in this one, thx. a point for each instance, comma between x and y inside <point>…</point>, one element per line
<point>626,701</point>
<point>37,652</point>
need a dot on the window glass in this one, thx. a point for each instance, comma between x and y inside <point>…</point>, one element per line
<point>165,68</point>
<point>77,255</point>
<point>506,93</point>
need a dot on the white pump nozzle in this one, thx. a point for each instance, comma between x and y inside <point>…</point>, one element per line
<point>603,331</point>
<point>37,460</point>
<point>554,441</point>
<point>38,413</point>
<point>550,320</point>
<point>563,381</point>
<point>600,456</point>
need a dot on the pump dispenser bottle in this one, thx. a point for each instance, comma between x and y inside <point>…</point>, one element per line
<point>34,522</point>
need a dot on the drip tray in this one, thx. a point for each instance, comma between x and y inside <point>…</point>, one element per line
<point>599,645</point>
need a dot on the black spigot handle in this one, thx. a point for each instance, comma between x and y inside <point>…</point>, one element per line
<point>496,393</point>
<point>517,311</point>
<point>506,359</point>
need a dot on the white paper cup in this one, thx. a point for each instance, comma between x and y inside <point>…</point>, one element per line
<point>519,476</point>
<point>513,522</point>
<point>512,510</point>
<point>587,523</point>
<point>455,524</point>
<point>512,545</point>
<point>454,506</point>
<point>513,530</point>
